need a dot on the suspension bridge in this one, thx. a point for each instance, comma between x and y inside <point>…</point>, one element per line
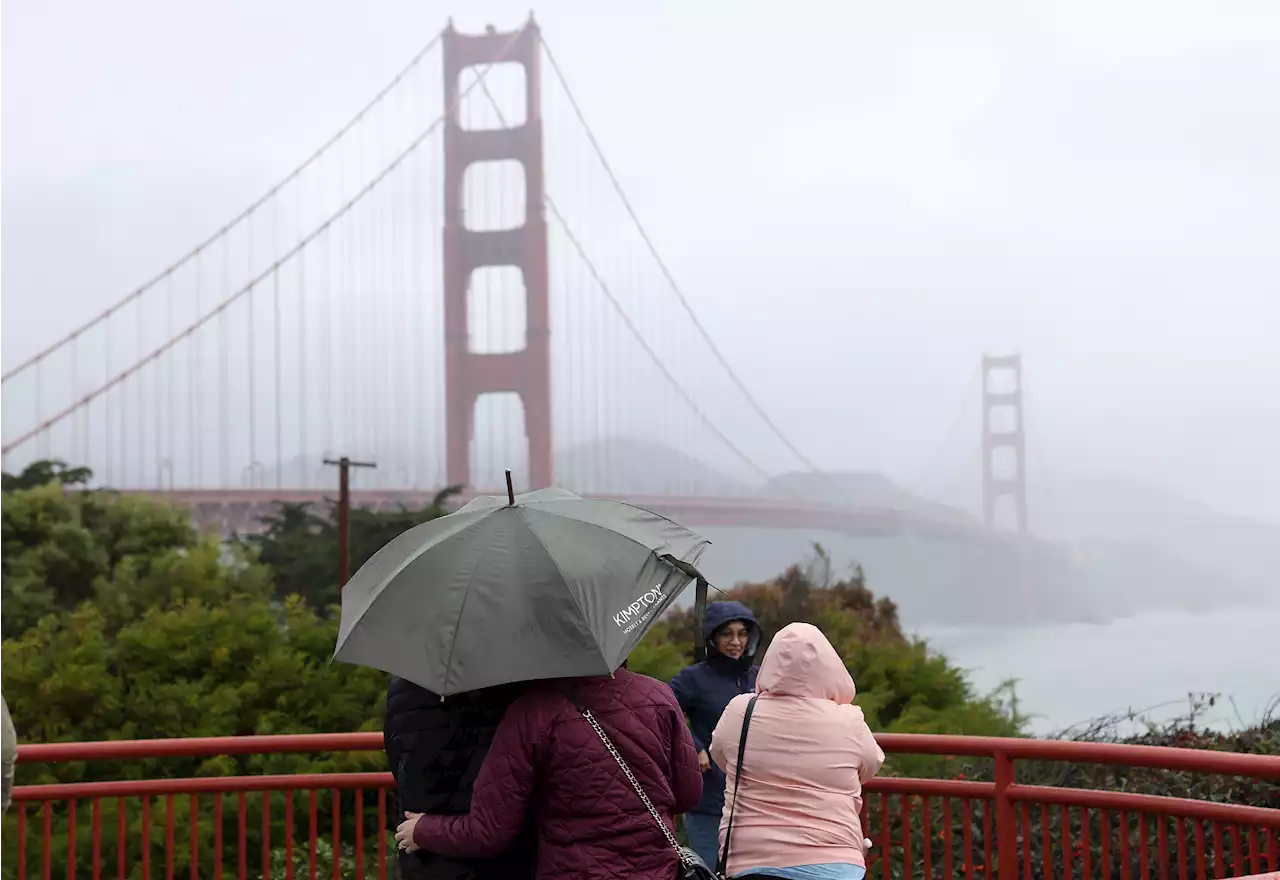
<point>454,284</point>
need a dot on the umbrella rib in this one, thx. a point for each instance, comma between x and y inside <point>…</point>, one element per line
<point>627,537</point>
<point>604,661</point>
<point>609,501</point>
<point>457,624</point>
<point>405,563</point>
<point>700,548</point>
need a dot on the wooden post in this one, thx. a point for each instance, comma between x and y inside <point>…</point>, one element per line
<point>345,465</point>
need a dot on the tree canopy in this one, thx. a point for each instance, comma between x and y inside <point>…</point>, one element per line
<point>300,546</point>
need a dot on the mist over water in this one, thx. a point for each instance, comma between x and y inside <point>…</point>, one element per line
<point>1070,673</point>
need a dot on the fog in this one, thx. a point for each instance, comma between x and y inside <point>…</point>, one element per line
<point>874,200</point>
<point>858,205</point>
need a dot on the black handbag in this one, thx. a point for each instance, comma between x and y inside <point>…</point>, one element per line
<point>722,864</point>
<point>692,867</point>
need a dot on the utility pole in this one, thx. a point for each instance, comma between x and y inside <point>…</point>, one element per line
<point>344,466</point>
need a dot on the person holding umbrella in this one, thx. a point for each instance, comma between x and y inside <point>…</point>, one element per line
<point>704,690</point>
<point>550,588</point>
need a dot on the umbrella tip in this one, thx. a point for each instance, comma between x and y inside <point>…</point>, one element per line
<point>511,491</point>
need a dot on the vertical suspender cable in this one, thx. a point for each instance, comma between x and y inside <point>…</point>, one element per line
<point>253,357</point>
<point>224,377</point>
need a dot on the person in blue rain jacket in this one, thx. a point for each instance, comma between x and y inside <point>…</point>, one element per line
<point>703,690</point>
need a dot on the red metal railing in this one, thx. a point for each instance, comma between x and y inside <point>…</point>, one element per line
<point>922,827</point>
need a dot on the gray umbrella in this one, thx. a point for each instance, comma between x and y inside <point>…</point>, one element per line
<point>548,586</point>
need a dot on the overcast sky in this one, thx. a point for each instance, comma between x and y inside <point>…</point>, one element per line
<point>857,204</point>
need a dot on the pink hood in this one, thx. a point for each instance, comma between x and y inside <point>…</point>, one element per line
<point>808,752</point>
<point>800,662</point>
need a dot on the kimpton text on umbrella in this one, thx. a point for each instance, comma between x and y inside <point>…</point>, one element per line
<point>649,598</point>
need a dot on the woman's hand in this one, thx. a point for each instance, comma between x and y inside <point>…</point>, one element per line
<point>704,761</point>
<point>404,834</point>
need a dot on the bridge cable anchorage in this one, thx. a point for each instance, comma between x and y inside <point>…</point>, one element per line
<point>666,271</point>
<point>253,282</point>
<point>229,225</point>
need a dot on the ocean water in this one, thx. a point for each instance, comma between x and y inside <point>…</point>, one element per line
<point>1069,673</point>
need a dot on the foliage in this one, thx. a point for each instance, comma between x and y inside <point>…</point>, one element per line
<point>300,546</point>
<point>61,548</point>
<point>45,471</point>
<point>143,629</point>
<point>1060,840</point>
<point>121,621</point>
<point>1182,731</point>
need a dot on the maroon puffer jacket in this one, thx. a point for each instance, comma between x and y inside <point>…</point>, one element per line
<point>546,758</point>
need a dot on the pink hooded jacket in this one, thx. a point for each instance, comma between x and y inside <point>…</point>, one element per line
<point>809,751</point>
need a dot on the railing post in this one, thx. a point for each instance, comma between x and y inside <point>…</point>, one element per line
<point>1006,829</point>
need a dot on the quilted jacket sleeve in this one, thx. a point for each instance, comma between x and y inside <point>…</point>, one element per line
<point>685,687</point>
<point>686,782</point>
<point>499,800</point>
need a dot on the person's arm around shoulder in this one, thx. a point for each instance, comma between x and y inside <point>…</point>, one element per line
<point>499,800</point>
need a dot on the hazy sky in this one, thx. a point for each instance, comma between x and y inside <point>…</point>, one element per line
<point>857,203</point>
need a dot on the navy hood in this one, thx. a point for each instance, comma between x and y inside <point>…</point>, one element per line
<point>720,613</point>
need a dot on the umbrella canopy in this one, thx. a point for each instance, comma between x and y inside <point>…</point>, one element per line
<point>548,586</point>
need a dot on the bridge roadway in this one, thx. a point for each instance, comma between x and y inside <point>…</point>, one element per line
<point>238,510</point>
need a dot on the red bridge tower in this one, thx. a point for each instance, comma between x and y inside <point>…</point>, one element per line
<point>527,372</point>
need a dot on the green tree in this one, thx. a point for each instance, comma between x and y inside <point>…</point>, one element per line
<point>51,470</point>
<point>155,631</point>
<point>300,546</point>
<point>60,546</point>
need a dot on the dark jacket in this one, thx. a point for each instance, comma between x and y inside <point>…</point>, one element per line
<point>704,689</point>
<point>435,750</point>
<point>547,759</point>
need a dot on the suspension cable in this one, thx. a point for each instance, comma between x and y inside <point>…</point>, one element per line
<point>227,227</point>
<point>221,307</point>
<point>670,278</point>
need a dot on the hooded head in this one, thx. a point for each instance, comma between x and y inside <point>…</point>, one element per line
<point>718,616</point>
<point>800,662</point>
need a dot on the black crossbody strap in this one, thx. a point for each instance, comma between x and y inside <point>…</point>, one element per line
<point>722,865</point>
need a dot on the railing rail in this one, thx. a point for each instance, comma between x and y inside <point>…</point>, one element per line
<point>930,827</point>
